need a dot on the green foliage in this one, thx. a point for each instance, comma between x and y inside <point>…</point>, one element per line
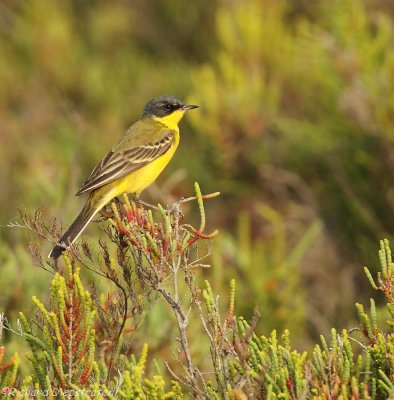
<point>8,371</point>
<point>291,119</point>
<point>267,367</point>
<point>64,356</point>
<point>304,95</point>
<point>296,119</point>
<point>67,345</point>
<point>156,251</point>
<point>278,291</point>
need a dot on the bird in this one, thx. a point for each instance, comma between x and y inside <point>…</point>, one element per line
<point>135,161</point>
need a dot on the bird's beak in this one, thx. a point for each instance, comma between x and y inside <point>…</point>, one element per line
<point>188,107</point>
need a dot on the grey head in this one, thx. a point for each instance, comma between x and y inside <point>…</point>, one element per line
<point>165,105</point>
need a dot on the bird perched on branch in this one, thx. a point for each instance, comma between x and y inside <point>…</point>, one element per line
<point>135,162</point>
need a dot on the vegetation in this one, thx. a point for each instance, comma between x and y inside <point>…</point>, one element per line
<point>80,347</point>
<point>294,128</point>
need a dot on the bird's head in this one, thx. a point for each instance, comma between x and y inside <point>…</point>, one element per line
<point>166,109</point>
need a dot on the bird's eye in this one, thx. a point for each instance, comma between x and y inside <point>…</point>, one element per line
<point>168,107</point>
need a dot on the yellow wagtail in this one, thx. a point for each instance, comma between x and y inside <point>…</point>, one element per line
<point>133,164</point>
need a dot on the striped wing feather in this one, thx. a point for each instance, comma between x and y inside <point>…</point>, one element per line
<point>117,165</point>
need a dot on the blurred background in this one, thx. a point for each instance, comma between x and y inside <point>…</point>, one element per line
<point>295,129</point>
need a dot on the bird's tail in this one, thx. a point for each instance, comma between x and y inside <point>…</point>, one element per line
<point>90,209</point>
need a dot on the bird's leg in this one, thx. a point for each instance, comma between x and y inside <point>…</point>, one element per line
<point>106,212</point>
<point>135,196</point>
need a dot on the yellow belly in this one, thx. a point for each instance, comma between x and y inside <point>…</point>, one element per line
<point>135,182</point>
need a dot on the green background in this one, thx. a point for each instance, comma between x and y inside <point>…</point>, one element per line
<point>295,129</point>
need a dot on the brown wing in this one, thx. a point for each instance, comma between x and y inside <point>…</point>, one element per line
<point>117,165</point>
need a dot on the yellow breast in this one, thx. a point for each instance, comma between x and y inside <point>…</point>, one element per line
<point>138,180</point>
